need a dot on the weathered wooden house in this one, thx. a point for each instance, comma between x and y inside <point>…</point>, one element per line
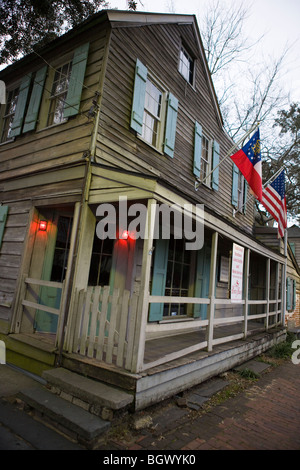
<point>118,115</point>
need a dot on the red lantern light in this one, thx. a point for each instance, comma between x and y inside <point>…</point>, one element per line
<point>124,235</point>
<point>43,225</point>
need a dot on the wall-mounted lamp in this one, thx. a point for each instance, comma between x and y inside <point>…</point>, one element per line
<point>42,225</point>
<point>125,235</point>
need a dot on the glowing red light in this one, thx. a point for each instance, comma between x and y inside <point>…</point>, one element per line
<point>43,225</point>
<point>125,235</point>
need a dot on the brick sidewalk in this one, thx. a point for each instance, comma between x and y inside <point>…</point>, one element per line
<point>264,417</point>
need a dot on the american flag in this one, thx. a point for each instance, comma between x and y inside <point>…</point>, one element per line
<point>274,200</point>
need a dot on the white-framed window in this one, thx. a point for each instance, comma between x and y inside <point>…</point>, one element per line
<point>9,114</point>
<point>186,65</point>
<point>206,160</point>
<point>152,119</point>
<point>241,191</point>
<point>154,111</point>
<point>59,93</point>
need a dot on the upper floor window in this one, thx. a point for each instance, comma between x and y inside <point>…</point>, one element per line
<point>9,114</point>
<point>206,159</point>
<point>59,93</point>
<point>239,190</point>
<point>186,65</point>
<point>152,114</point>
<point>154,111</point>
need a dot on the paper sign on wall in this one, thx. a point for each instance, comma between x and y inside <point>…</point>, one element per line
<point>237,273</point>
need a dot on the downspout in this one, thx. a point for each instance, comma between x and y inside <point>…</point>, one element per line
<point>89,157</point>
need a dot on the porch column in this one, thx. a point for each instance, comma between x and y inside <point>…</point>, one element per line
<point>267,292</point>
<point>212,282</point>
<point>246,290</point>
<point>142,315</point>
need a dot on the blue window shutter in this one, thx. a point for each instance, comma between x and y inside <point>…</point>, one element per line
<point>3,217</point>
<point>139,93</point>
<point>202,280</point>
<point>17,123</point>
<point>172,111</point>
<point>288,294</point>
<point>76,81</point>
<point>215,162</point>
<point>159,277</point>
<point>197,149</point>
<point>294,294</point>
<point>35,100</point>
<point>245,195</point>
<point>235,182</point>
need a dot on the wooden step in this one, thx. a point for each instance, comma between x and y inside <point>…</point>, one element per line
<point>94,396</point>
<point>65,416</point>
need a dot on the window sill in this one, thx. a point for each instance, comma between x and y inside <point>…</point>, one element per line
<point>52,126</point>
<point>150,145</point>
<point>9,141</point>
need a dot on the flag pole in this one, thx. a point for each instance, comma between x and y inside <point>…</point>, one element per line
<point>283,308</point>
<point>228,154</point>
<point>265,184</point>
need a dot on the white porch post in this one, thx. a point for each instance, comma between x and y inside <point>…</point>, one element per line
<point>277,291</point>
<point>212,283</point>
<point>246,290</point>
<point>267,292</point>
<point>142,314</point>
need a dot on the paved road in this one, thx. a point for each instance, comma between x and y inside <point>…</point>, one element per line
<point>266,416</point>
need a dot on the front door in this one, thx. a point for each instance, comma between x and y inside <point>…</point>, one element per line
<point>54,270</point>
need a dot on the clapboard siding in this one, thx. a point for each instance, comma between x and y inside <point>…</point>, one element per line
<point>195,104</point>
<point>64,143</point>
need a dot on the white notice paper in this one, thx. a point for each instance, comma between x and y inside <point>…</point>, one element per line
<point>237,273</point>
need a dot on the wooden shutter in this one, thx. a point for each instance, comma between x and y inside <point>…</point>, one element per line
<point>159,277</point>
<point>294,294</point>
<point>139,93</point>
<point>245,195</point>
<point>235,182</point>
<point>76,81</point>
<point>215,162</point>
<point>35,100</point>
<point>202,280</point>
<point>288,294</point>
<point>16,126</point>
<point>3,217</point>
<point>170,135</point>
<point>197,149</point>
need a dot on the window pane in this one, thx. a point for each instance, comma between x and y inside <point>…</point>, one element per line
<point>59,94</point>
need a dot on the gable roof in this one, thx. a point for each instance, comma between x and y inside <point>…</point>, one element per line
<point>126,18</point>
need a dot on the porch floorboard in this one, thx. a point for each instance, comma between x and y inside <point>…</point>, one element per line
<point>160,347</point>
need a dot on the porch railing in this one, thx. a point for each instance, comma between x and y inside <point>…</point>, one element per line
<point>102,325</point>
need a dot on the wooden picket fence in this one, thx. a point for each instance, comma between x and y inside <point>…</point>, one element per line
<point>102,325</point>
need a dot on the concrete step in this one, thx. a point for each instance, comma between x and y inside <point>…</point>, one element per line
<point>75,422</point>
<point>96,397</point>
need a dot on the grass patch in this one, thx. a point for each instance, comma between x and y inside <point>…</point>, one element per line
<point>282,350</point>
<point>248,374</point>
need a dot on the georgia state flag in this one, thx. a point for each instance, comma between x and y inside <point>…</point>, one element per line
<point>248,161</point>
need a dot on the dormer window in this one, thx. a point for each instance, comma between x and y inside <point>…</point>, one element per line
<point>186,65</point>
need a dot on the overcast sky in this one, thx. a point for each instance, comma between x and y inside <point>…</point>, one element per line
<point>278,20</point>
